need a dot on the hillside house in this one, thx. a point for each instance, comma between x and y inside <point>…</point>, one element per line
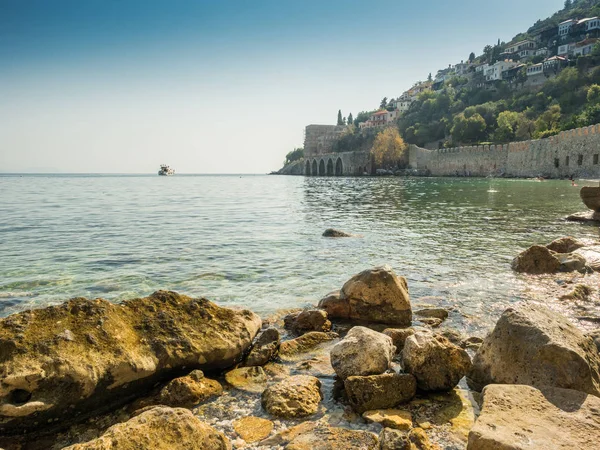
<point>379,119</point>
<point>520,46</point>
<point>564,28</point>
<point>402,104</point>
<point>494,72</point>
<point>565,49</point>
<point>542,51</point>
<point>590,24</point>
<point>554,64</point>
<point>536,69</point>
<point>584,47</point>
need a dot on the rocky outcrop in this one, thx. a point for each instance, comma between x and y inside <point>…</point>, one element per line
<point>374,295</point>
<point>436,363</point>
<point>566,244</point>
<point>159,428</point>
<point>379,391</point>
<point>536,260</point>
<point>362,352</point>
<point>516,417</point>
<point>399,336</point>
<point>264,349</point>
<point>324,437</point>
<point>535,346</point>
<point>189,390</point>
<point>297,396</point>
<point>308,320</point>
<point>63,362</point>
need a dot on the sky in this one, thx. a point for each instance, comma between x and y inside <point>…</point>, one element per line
<point>122,86</point>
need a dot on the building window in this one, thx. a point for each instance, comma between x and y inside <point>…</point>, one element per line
<point>579,160</point>
<point>596,158</point>
<point>556,163</point>
<point>567,161</point>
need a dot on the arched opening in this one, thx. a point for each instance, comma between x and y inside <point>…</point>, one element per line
<point>360,170</point>
<point>307,168</point>
<point>329,168</point>
<point>314,167</point>
<point>339,168</point>
<point>322,167</point>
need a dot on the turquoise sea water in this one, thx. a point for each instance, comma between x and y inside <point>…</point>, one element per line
<point>255,241</point>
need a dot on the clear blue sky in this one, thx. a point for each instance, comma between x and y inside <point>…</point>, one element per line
<point>215,86</point>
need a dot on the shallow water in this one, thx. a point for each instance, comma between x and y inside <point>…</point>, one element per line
<point>255,241</point>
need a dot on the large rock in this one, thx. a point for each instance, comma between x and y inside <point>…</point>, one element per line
<point>536,260</point>
<point>189,390</point>
<point>249,379</point>
<point>436,363</point>
<point>374,295</point>
<point>308,320</point>
<point>252,429</point>
<point>297,396</point>
<point>535,346</point>
<point>517,417</point>
<point>379,391</point>
<point>399,336</point>
<point>264,349</point>
<point>590,195</point>
<point>565,245</point>
<point>325,437</point>
<point>362,352</point>
<point>310,342</point>
<point>159,428</point>
<point>63,362</point>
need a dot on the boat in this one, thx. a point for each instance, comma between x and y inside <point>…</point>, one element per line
<point>166,170</point>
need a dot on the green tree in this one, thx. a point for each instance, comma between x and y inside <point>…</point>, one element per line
<point>389,148</point>
<point>548,122</point>
<point>508,122</point>
<point>429,77</point>
<point>294,155</point>
<point>568,4</point>
<point>362,116</point>
<point>488,51</point>
<point>350,119</point>
<point>468,129</point>
<point>340,120</point>
<point>383,103</point>
<point>593,94</point>
<point>472,57</point>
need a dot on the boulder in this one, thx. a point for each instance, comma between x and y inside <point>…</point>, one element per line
<point>297,396</point>
<point>189,391</point>
<point>325,437</point>
<point>590,195</point>
<point>159,428</point>
<point>415,439</point>
<point>436,363</point>
<point>252,429</point>
<point>399,336</point>
<point>264,349</point>
<point>536,260</point>
<point>362,352</point>
<point>111,353</point>
<point>308,320</point>
<point>516,417</point>
<point>249,379</point>
<point>379,391</point>
<point>375,295</point>
<point>535,346</point>
<point>333,233</point>
<point>434,313</point>
<point>571,262</point>
<point>565,245</point>
<point>295,348</point>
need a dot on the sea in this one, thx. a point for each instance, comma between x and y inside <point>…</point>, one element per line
<point>255,241</point>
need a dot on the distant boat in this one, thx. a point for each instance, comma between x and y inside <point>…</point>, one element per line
<point>166,170</point>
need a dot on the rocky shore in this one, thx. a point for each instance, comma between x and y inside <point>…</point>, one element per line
<point>360,370</point>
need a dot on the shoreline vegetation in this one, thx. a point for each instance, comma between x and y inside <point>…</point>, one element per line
<point>368,367</point>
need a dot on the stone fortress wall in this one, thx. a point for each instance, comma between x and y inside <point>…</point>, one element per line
<point>570,153</point>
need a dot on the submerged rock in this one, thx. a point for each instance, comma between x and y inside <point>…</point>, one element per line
<point>516,417</point>
<point>375,295</point>
<point>297,396</point>
<point>436,363</point>
<point>379,391</point>
<point>293,349</point>
<point>325,437</point>
<point>398,419</point>
<point>308,320</point>
<point>249,379</point>
<point>536,260</point>
<point>252,429</point>
<point>333,233</point>
<point>189,390</point>
<point>579,292</point>
<point>159,428</point>
<point>434,313</point>
<point>362,352</point>
<point>535,346</point>
<point>114,352</point>
<point>264,349</point>
<point>565,245</point>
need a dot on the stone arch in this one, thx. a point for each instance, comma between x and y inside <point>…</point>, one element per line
<point>329,168</point>
<point>307,168</point>
<point>315,171</point>
<point>339,167</point>
<point>322,167</point>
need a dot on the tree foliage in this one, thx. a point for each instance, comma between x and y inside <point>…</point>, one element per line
<point>294,155</point>
<point>340,120</point>
<point>389,148</point>
<point>350,119</point>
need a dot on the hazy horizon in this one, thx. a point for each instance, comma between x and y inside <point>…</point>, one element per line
<point>227,88</point>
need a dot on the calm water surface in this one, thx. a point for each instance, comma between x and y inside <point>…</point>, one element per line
<point>256,241</point>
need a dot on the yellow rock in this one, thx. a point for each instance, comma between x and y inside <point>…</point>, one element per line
<point>392,418</point>
<point>253,429</point>
<point>249,379</point>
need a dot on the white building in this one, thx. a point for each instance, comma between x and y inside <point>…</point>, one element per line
<point>536,69</point>
<point>565,27</point>
<point>462,68</point>
<point>565,49</point>
<point>554,64</point>
<point>520,46</point>
<point>592,23</point>
<point>542,51</point>
<point>584,47</point>
<point>402,105</point>
<point>494,72</point>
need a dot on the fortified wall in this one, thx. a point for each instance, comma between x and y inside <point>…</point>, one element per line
<point>570,153</point>
<point>319,139</point>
